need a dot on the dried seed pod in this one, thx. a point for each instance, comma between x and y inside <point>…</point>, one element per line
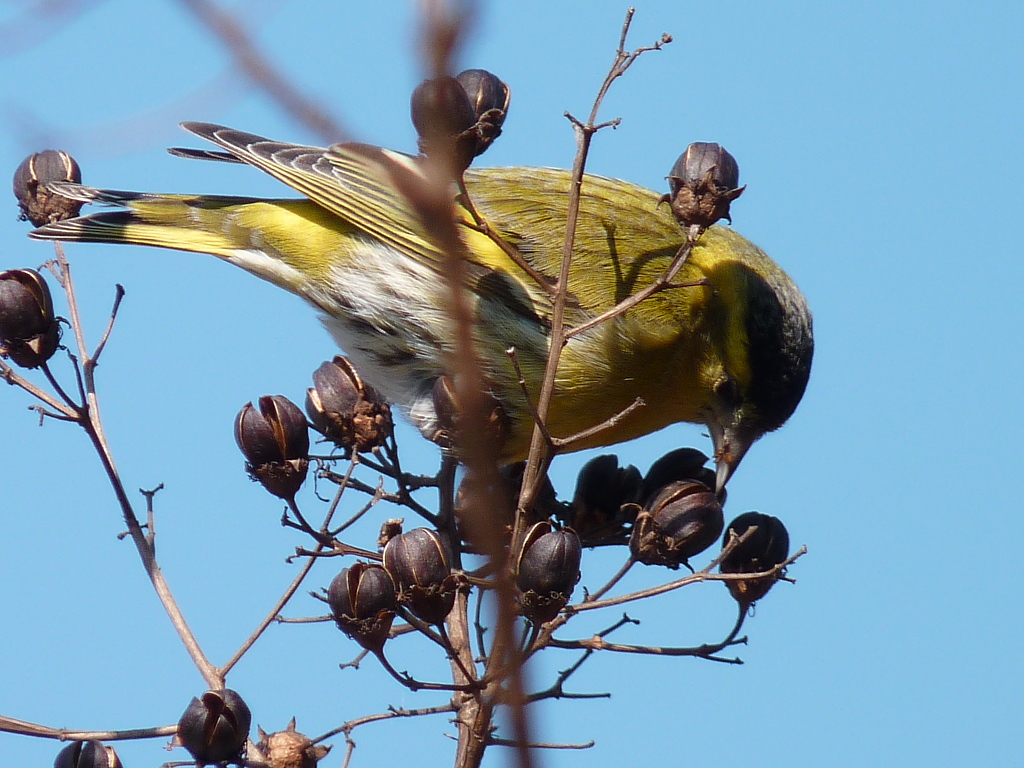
<point>489,97</point>
<point>766,548</point>
<point>214,727</point>
<point>29,331</point>
<point>547,570</point>
<point>448,413</point>
<point>442,114</point>
<point>37,203</point>
<point>703,182</point>
<point>420,566</point>
<point>460,115</point>
<point>87,754</point>
<point>346,409</point>
<point>680,464</point>
<point>275,443</point>
<point>604,504</point>
<point>290,749</point>
<point>363,602</point>
<point>683,520</point>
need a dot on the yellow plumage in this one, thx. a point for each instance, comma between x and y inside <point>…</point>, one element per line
<point>730,347</point>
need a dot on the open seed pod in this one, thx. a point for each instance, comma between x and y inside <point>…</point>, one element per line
<point>681,521</point>
<point>275,442</point>
<point>420,566</point>
<point>363,602</point>
<point>215,727</point>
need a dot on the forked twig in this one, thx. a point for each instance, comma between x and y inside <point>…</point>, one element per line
<point>540,449</point>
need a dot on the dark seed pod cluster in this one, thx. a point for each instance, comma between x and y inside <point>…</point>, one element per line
<point>275,442</point>
<point>681,521</point>
<point>547,570</point>
<point>605,502</point>
<point>29,330</point>
<point>421,569</point>
<point>87,754</point>
<point>703,183</point>
<point>767,547</point>
<point>363,602</point>
<point>215,727</point>
<point>347,410</point>
<point>462,115</point>
<point>37,203</point>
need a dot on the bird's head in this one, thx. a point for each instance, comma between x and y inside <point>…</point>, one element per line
<point>766,345</point>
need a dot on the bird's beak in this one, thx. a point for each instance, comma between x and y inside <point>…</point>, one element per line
<point>731,445</point>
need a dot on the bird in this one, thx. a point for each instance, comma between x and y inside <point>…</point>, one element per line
<point>728,343</point>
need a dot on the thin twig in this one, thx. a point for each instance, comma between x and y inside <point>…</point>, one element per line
<point>45,367</point>
<point>93,427</point>
<point>694,578</point>
<point>12,377</point>
<point>540,449</point>
<point>579,437</point>
<point>557,691</point>
<point>481,225</point>
<point>283,600</point>
<point>391,714</point>
<point>151,515</point>
<point>496,742</point>
<point>598,644</point>
<point>537,420</point>
<point>118,296</point>
<point>10,725</point>
<point>418,685</point>
<point>374,500</point>
<point>663,282</point>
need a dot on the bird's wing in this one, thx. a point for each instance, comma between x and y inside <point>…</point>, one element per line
<point>624,239</point>
<point>353,181</point>
<point>623,236</point>
<point>364,185</point>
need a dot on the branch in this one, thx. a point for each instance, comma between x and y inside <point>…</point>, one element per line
<point>556,691</point>
<point>699,576</point>
<point>62,410</point>
<point>351,725</point>
<point>275,611</point>
<point>93,426</point>
<point>495,741</point>
<point>540,449</point>
<point>10,725</point>
<point>596,643</point>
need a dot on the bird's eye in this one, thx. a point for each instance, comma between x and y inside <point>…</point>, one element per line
<point>728,391</point>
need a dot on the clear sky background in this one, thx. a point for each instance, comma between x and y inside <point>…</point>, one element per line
<point>882,147</point>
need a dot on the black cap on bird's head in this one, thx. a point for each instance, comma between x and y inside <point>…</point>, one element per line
<point>778,348</point>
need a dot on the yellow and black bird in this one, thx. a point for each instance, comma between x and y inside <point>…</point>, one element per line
<point>729,345</point>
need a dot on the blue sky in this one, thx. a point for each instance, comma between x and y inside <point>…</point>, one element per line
<point>881,146</point>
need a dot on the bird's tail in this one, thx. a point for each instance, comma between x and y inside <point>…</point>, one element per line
<point>183,222</point>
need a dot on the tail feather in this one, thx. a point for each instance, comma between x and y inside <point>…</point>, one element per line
<point>181,222</point>
<point>125,227</point>
<point>204,154</point>
<point>85,194</point>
